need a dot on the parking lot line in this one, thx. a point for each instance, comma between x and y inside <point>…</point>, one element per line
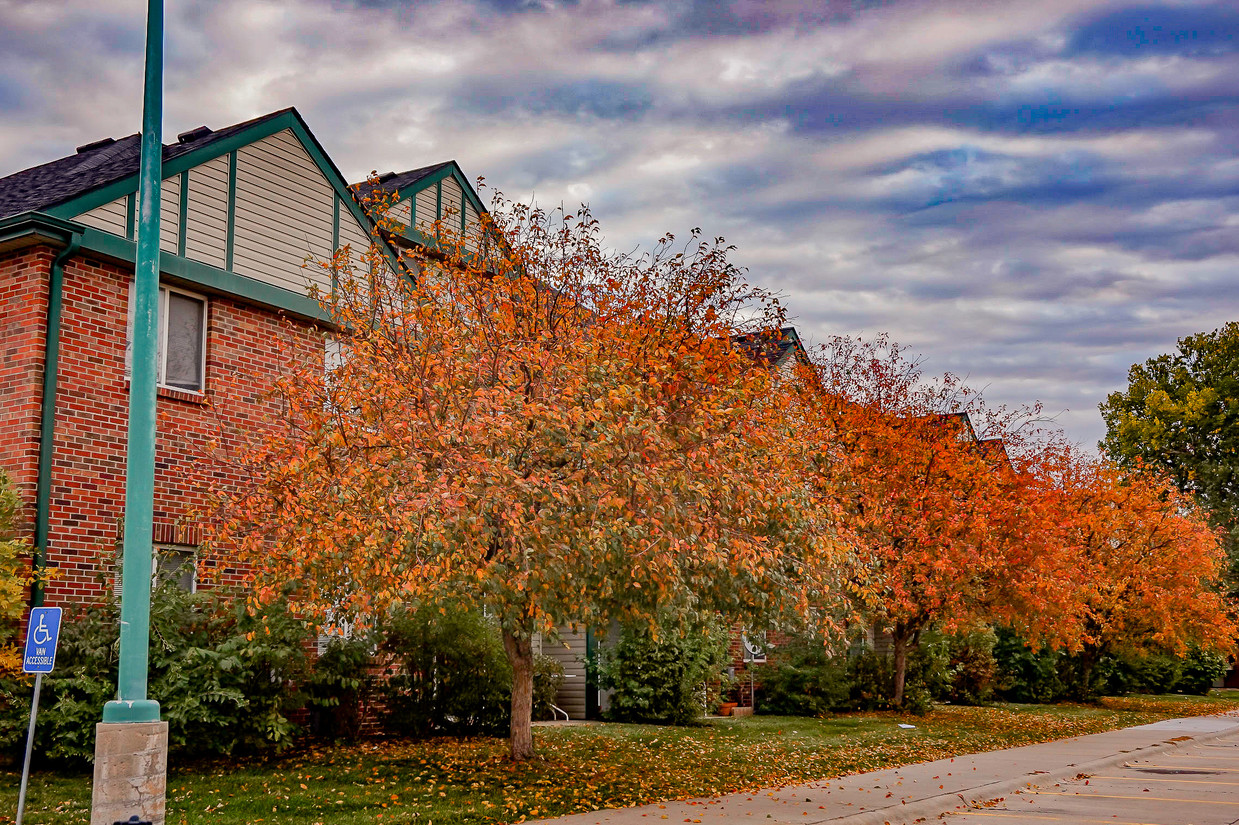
<point>1138,766</point>
<point>1120,796</point>
<point>1151,779</point>
<point>1047,817</point>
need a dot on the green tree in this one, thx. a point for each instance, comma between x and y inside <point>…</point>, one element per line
<point>1180,414</point>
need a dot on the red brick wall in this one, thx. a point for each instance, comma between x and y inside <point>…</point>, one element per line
<point>23,308</point>
<point>88,475</point>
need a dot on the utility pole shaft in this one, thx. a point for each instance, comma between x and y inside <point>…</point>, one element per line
<point>131,747</point>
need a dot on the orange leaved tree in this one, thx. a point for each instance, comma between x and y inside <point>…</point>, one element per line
<point>935,514</point>
<point>1147,566</point>
<point>530,423</point>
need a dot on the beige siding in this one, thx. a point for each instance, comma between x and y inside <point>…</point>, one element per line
<point>400,213</point>
<point>425,209</point>
<point>472,223</point>
<point>473,228</point>
<point>111,217</point>
<point>569,651</point>
<point>283,214</point>
<point>169,213</point>
<point>206,219</point>
<point>451,203</point>
<point>353,235</point>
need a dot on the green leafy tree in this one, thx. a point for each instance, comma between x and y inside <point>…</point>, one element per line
<point>1180,413</point>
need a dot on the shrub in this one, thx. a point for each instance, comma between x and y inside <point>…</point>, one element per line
<point>871,677</point>
<point>929,672</point>
<point>1201,668</point>
<point>548,678</point>
<point>1139,673</point>
<point>452,673</point>
<point>226,677</point>
<point>339,689</point>
<point>1025,675</point>
<point>14,567</point>
<point>661,679</point>
<point>15,686</point>
<point>973,670</point>
<point>223,677</point>
<point>803,677</point>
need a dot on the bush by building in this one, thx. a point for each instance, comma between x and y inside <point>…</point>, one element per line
<point>666,678</point>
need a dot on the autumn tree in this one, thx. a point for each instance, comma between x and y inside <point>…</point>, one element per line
<point>15,575</point>
<point>934,511</point>
<point>528,422</point>
<point>1146,566</point>
<point>1180,415</point>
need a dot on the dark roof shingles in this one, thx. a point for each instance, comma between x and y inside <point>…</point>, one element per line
<point>397,181</point>
<point>767,348</point>
<point>49,184</point>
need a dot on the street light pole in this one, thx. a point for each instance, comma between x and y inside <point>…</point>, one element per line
<point>135,603</point>
<point>131,749</point>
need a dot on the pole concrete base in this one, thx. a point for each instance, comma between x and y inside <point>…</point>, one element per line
<point>131,772</point>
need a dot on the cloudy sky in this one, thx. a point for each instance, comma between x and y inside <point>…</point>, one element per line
<point>1034,193</point>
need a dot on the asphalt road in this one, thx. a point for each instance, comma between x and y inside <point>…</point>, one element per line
<point>1197,784</point>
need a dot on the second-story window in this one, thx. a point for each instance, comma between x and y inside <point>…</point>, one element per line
<point>181,354</point>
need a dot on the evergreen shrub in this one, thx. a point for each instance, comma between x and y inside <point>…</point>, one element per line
<point>663,679</point>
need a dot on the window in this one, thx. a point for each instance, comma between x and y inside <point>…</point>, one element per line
<point>753,646</point>
<point>333,355</point>
<point>333,629</point>
<point>177,564</point>
<point>180,355</point>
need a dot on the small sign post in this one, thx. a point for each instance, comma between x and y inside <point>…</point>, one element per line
<point>42,635</point>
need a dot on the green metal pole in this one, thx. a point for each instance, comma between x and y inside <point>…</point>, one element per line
<point>135,603</point>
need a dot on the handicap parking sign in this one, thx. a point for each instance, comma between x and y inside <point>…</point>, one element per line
<point>41,639</point>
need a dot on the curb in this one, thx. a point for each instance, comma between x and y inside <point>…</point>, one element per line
<point>936,806</point>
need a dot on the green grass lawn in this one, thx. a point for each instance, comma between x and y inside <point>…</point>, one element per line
<point>447,781</point>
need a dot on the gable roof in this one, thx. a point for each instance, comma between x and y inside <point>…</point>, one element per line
<point>96,165</point>
<point>393,182</point>
<point>405,184</point>
<point>772,348</point>
<point>995,449</point>
<point>106,171</point>
<point>961,422</point>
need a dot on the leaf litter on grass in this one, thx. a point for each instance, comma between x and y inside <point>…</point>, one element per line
<point>447,781</point>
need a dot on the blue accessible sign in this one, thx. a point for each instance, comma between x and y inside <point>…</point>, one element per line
<point>41,639</point>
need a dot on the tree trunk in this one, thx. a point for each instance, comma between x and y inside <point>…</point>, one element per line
<point>520,655</point>
<point>899,640</point>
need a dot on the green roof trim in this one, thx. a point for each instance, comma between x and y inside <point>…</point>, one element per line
<point>182,214</point>
<point>209,278</point>
<point>450,170</point>
<point>289,119</point>
<point>27,228</point>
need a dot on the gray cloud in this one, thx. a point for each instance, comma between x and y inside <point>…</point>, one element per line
<point>1034,194</point>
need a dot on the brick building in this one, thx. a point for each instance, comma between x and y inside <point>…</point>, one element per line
<point>243,209</point>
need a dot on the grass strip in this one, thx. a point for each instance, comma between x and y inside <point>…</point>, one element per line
<point>448,781</point>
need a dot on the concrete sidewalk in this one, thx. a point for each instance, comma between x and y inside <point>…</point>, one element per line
<point>927,790</point>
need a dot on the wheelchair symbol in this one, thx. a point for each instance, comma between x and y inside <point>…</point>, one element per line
<point>41,634</point>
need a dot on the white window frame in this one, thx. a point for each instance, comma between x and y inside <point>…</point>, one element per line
<point>162,316</point>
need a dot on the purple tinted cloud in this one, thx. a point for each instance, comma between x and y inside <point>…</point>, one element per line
<point>1035,194</point>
